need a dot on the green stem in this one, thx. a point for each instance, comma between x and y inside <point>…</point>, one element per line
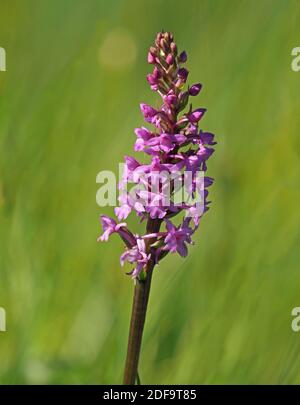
<point>138,314</point>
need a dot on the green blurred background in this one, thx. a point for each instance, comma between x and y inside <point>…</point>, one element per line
<point>68,108</point>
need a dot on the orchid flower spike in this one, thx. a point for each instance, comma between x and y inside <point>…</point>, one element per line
<point>179,149</point>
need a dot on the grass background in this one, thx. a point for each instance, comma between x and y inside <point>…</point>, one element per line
<point>69,103</point>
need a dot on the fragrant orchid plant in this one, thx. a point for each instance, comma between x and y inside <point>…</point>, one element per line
<point>179,150</point>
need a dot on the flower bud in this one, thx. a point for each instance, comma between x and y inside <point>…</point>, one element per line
<point>156,73</point>
<point>170,59</point>
<point>151,58</point>
<point>195,89</point>
<point>170,99</point>
<point>158,38</point>
<point>167,36</point>
<point>182,57</point>
<point>183,100</point>
<point>196,115</point>
<point>163,45</point>
<point>173,48</point>
<point>148,112</point>
<point>183,74</point>
<point>151,79</point>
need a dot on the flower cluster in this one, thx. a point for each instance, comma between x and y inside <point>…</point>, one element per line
<point>178,152</point>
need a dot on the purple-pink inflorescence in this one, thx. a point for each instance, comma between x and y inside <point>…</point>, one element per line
<point>176,146</point>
